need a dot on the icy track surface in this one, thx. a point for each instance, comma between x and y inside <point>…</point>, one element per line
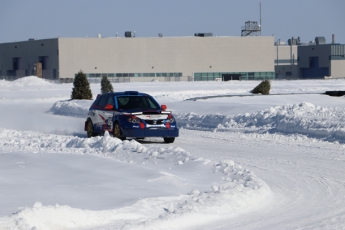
<point>233,190</point>
<point>266,162</point>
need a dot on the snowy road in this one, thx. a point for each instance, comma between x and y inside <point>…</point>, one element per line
<point>309,194</point>
<point>273,162</point>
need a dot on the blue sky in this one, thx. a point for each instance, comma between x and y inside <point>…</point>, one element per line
<point>40,19</point>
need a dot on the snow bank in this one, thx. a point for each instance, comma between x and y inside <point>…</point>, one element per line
<point>305,118</point>
<point>235,190</point>
<point>25,81</point>
<point>72,108</point>
<point>188,94</point>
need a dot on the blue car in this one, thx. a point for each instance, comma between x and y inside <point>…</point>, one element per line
<point>130,114</point>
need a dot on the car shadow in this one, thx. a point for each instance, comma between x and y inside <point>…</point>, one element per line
<point>149,141</point>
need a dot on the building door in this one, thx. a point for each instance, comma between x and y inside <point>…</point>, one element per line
<point>38,69</point>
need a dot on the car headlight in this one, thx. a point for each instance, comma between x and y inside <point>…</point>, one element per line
<point>170,118</point>
<point>134,120</point>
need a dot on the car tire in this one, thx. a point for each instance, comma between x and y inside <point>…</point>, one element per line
<point>89,129</point>
<point>169,139</point>
<point>117,131</point>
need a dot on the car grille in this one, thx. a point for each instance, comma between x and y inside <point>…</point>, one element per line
<point>154,122</point>
<point>150,112</point>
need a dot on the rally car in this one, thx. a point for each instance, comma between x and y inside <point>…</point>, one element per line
<point>130,114</point>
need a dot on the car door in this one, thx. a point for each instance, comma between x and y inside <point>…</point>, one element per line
<point>93,110</point>
<point>100,119</point>
<point>108,113</point>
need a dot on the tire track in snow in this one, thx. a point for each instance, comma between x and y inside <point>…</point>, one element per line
<point>303,173</point>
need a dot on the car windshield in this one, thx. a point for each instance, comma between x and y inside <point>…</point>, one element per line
<point>136,102</point>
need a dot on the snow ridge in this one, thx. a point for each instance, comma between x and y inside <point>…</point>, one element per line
<point>304,118</point>
<point>71,108</point>
<point>25,81</point>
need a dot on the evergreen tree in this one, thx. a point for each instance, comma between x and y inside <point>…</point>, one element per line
<point>106,86</point>
<point>264,88</point>
<point>81,89</point>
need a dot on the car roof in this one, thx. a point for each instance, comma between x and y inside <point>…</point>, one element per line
<point>129,93</point>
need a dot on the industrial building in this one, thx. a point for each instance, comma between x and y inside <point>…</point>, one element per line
<point>202,57</point>
<point>313,60</point>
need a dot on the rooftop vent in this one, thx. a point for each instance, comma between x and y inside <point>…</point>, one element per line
<point>128,34</point>
<point>294,41</point>
<point>131,93</point>
<point>203,34</point>
<point>320,40</point>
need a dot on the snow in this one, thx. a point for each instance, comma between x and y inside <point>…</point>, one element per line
<point>241,161</point>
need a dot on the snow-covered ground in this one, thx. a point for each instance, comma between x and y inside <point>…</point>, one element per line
<point>241,162</point>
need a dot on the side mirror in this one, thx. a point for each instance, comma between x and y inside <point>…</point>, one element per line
<point>164,107</point>
<point>109,107</point>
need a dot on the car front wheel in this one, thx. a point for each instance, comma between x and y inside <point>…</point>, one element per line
<point>169,139</point>
<point>117,132</point>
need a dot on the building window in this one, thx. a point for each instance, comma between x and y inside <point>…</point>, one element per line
<point>16,63</point>
<point>289,73</point>
<point>44,61</point>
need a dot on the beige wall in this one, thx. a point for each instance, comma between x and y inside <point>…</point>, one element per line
<point>166,54</point>
<point>337,68</point>
<point>283,52</point>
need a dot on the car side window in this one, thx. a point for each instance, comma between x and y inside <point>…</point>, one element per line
<point>123,102</point>
<point>110,100</point>
<point>103,101</point>
<point>96,101</point>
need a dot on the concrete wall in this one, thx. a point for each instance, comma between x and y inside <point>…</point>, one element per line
<point>283,53</point>
<point>337,68</point>
<point>29,53</point>
<point>166,54</point>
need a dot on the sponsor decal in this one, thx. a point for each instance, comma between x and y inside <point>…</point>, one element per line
<point>102,117</point>
<point>110,121</point>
